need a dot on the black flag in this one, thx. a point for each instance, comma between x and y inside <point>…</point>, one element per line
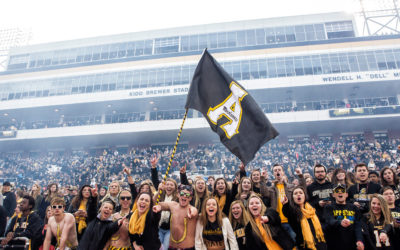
<point>229,109</point>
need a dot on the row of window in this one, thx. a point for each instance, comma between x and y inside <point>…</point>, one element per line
<point>72,121</point>
<point>240,70</point>
<point>197,42</point>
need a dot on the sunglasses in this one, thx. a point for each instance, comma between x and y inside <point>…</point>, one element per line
<point>339,191</point>
<point>184,194</point>
<point>128,198</point>
<point>57,206</point>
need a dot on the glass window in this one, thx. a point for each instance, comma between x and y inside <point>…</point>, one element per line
<point>122,50</point>
<point>185,43</point>
<point>148,47</point>
<point>185,75</point>
<point>245,68</point>
<point>298,66</point>
<point>139,48</point>
<point>212,40</point>
<point>222,40</point>
<point>262,65</point>
<point>260,36</point>
<point>280,67</point>
<point>237,74</point>
<point>270,35</point>
<point>334,61</point>
<point>289,65</point>
<point>241,38</point>
<point>177,78</point>
<point>160,77</point>
<point>168,76</point>
<point>280,34</point>
<point>250,37</point>
<point>353,62</point>
<point>316,62</point>
<point>232,39</point>
<point>104,52</point>
<point>371,61</point>
<point>254,74</point>
<point>271,67</point>
<point>113,51</point>
<point>130,49</point>
<point>344,63</point>
<point>144,78</point>
<point>96,53</point>
<point>202,41</point>
<point>308,70</point>
<point>152,78</point>
<point>194,42</point>
<point>136,79</point>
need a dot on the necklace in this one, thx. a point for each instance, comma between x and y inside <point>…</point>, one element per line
<point>184,232</point>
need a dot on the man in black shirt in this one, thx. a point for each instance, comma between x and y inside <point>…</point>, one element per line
<point>343,221</point>
<point>9,202</point>
<point>27,225</point>
<point>359,193</point>
<point>319,192</point>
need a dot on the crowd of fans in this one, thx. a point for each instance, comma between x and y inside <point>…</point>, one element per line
<point>294,180</point>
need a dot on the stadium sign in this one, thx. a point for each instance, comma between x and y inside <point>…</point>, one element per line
<point>369,76</point>
<point>150,92</point>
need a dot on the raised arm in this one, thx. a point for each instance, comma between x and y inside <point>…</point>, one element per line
<point>154,173</point>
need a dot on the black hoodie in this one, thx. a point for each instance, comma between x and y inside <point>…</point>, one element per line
<point>317,192</point>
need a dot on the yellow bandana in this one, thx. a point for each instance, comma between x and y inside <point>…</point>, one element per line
<point>137,222</point>
<point>269,242</point>
<point>309,213</point>
<point>221,201</point>
<point>81,220</point>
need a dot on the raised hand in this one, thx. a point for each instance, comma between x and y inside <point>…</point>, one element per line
<point>241,167</point>
<point>154,161</point>
<point>284,200</point>
<point>298,171</point>
<point>183,169</point>
<point>156,208</point>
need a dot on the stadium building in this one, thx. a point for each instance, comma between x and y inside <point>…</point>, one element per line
<point>313,75</point>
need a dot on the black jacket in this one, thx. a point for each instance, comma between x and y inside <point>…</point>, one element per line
<point>9,203</point>
<point>97,234</point>
<point>369,235</point>
<point>334,214</point>
<point>149,239</point>
<point>91,209</point>
<point>3,220</point>
<point>31,230</point>
<point>279,234</point>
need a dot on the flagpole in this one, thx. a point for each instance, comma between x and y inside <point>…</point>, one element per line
<point>173,155</point>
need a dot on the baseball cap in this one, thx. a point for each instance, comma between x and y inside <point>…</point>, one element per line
<point>338,187</point>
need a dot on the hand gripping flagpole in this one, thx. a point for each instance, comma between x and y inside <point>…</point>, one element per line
<point>173,155</point>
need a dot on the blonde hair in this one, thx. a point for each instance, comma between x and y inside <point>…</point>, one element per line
<point>387,216</point>
<point>203,216</point>
<point>244,217</point>
<point>252,221</point>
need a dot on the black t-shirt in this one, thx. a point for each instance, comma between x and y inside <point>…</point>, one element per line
<point>361,193</point>
<point>239,232</point>
<point>212,236</point>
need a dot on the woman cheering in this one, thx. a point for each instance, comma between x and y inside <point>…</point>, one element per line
<point>212,231</point>
<point>304,221</point>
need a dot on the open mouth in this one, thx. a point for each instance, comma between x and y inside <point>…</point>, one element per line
<point>298,199</point>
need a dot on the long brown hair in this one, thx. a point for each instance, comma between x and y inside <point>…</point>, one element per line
<point>203,216</point>
<point>252,220</point>
<point>36,193</point>
<point>243,219</point>
<point>240,189</point>
<point>395,178</point>
<point>51,195</point>
<point>197,201</point>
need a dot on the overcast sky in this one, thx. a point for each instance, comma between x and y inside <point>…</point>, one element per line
<point>57,20</point>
